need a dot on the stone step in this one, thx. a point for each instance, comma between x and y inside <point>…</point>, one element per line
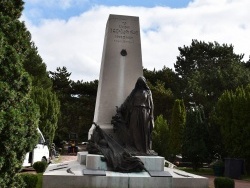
<point>95,162</point>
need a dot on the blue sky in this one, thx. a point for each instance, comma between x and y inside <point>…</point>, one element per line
<point>36,10</point>
<point>70,33</point>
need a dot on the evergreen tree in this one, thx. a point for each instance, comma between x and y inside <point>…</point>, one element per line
<point>160,136</point>
<point>20,38</point>
<point>49,111</point>
<point>167,76</point>
<point>194,145</point>
<point>12,9</point>
<point>62,83</point>
<point>86,92</point>
<point>37,69</point>
<point>232,116</point>
<point>163,98</point>
<point>177,127</point>
<point>62,86</point>
<point>77,101</point>
<point>18,114</point>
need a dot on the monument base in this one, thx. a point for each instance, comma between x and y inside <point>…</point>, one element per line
<point>90,171</point>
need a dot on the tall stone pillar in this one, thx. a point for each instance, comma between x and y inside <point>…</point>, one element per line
<point>120,68</point>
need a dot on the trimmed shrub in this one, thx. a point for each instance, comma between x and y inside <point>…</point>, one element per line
<point>223,182</point>
<point>218,167</point>
<point>30,180</point>
<point>40,166</point>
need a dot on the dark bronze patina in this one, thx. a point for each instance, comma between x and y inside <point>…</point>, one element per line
<point>133,124</point>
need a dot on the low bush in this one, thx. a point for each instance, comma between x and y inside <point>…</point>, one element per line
<point>223,182</point>
<point>40,166</point>
<point>218,167</point>
<point>29,179</point>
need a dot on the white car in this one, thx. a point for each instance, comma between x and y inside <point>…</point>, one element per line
<point>39,153</point>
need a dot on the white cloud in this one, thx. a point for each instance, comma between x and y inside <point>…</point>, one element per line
<point>77,43</point>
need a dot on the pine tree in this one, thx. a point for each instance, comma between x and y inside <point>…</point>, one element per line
<point>177,127</point>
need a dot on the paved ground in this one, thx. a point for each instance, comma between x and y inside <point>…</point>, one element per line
<point>68,158</point>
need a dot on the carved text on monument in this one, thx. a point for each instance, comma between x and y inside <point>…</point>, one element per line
<point>124,33</point>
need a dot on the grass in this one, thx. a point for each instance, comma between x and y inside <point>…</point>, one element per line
<point>40,180</point>
<point>208,171</point>
<point>245,177</point>
<point>201,171</point>
<point>40,175</point>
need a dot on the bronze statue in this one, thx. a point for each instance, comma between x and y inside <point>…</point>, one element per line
<point>133,125</point>
<point>137,113</point>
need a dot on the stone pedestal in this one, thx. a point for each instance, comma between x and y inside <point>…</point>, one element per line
<point>78,175</point>
<point>153,163</point>
<point>81,157</point>
<point>95,162</point>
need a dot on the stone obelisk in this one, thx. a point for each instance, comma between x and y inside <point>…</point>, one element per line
<point>120,67</point>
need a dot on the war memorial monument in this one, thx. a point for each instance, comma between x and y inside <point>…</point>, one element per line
<point>119,149</point>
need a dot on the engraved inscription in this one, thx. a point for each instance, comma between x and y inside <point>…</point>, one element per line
<point>123,32</point>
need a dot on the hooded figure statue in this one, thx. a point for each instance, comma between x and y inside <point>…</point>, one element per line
<point>137,111</point>
<point>133,125</point>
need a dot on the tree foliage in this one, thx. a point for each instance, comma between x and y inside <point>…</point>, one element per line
<point>194,145</point>
<point>177,127</point>
<point>163,98</point>
<point>37,69</point>
<point>77,104</point>
<point>61,83</point>
<point>207,69</point>
<point>12,9</point>
<point>18,114</point>
<point>49,107</point>
<point>160,136</point>
<point>22,74</point>
<point>168,78</point>
<point>232,115</point>
<point>165,89</point>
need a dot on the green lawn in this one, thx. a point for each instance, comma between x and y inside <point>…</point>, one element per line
<point>40,180</point>
<point>208,171</point>
<point>40,175</point>
<point>201,171</point>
